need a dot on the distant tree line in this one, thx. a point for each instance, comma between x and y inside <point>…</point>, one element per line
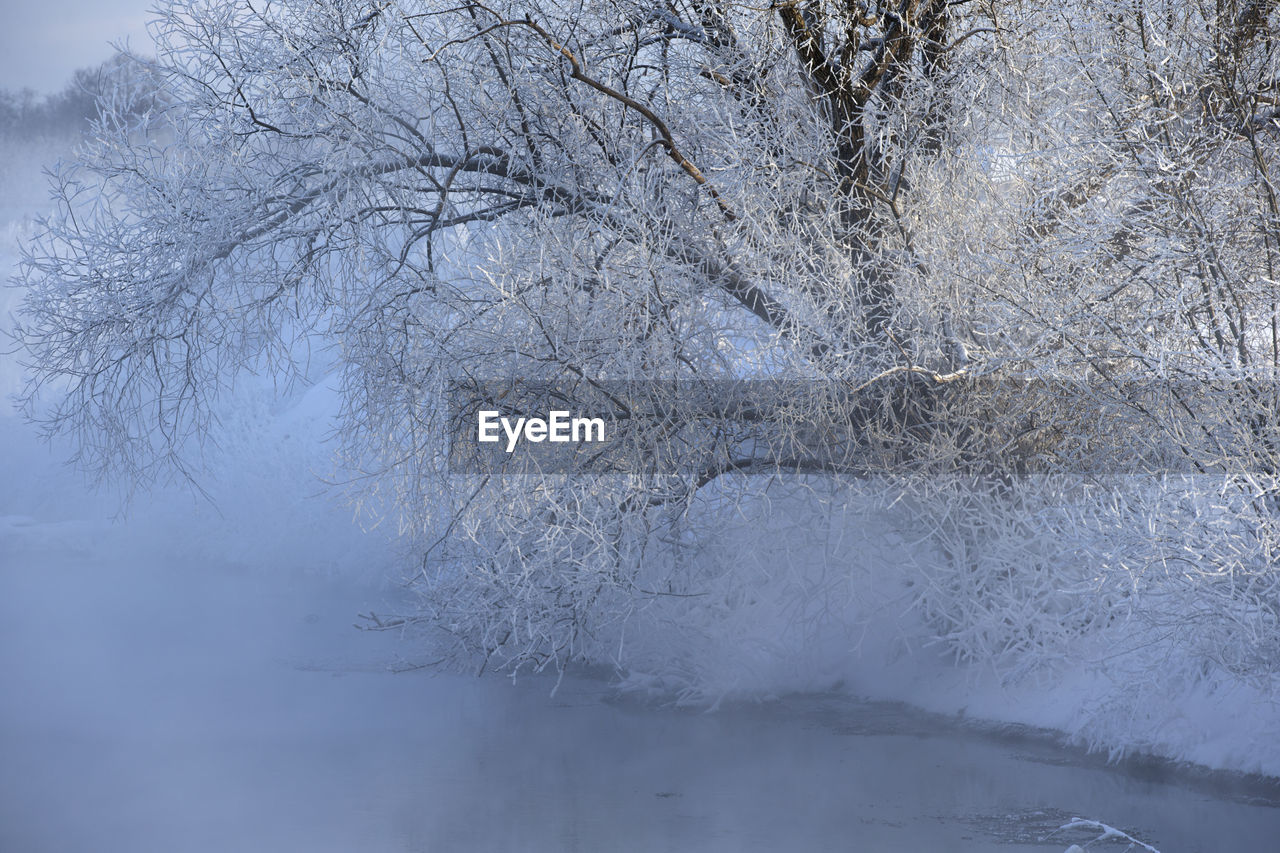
<point>27,114</point>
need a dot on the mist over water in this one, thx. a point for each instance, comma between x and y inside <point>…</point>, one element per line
<point>190,678</point>
<point>158,702</point>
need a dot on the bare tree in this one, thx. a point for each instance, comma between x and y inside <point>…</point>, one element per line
<point>909,201</point>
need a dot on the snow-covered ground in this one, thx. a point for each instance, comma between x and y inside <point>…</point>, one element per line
<point>187,677</point>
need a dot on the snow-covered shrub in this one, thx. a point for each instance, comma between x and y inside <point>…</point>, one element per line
<point>1009,583</point>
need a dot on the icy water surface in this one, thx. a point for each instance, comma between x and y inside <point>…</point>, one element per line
<point>148,705</point>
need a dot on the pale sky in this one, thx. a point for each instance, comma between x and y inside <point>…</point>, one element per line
<point>43,41</point>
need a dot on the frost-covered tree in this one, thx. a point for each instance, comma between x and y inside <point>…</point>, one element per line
<point>902,204</point>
